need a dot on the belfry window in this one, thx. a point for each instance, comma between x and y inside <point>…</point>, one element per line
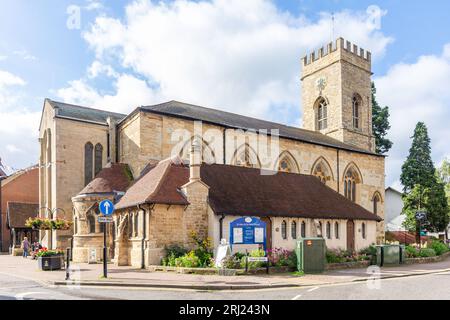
<point>355,111</point>
<point>322,114</point>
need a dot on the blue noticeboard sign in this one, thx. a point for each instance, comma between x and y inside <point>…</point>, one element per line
<point>248,230</point>
<point>106,207</point>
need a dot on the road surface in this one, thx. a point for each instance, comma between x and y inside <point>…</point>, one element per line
<point>431,286</point>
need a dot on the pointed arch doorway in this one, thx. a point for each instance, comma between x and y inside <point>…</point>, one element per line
<point>350,235</point>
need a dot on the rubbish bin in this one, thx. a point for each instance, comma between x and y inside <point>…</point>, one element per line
<point>311,255</point>
<point>390,254</point>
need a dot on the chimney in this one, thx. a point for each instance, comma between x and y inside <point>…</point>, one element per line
<point>195,161</point>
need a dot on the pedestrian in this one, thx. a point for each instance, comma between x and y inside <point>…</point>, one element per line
<point>25,247</point>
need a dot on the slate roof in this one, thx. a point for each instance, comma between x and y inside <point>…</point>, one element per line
<point>71,111</point>
<point>244,191</point>
<point>231,120</point>
<point>19,212</point>
<point>113,177</point>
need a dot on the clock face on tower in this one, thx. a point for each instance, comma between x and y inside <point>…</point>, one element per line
<point>321,83</point>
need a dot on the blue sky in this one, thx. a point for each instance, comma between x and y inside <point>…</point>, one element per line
<point>41,57</point>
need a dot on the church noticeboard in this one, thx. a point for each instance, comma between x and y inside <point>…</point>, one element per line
<point>248,230</point>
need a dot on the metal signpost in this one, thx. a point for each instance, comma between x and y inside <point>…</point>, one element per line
<point>106,208</point>
<point>421,216</point>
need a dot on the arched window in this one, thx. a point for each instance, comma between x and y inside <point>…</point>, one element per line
<point>322,114</point>
<point>208,155</point>
<point>91,223</point>
<point>98,158</point>
<point>363,230</point>
<point>356,111</point>
<point>351,179</point>
<point>376,201</point>
<point>136,225</point>
<point>322,170</point>
<point>320,230</point>
<point>130,225</point>
<point>328,230</point>
<point>75,225</point>
<point>283,230</point>
<point>303,229</point>
<point>287,163</point>
<point>88,162</point>
<point>336,230</point>
<point>245,156</point>
<point>294,230</point>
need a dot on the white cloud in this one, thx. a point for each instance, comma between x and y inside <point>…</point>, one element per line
<point>243,56</point>
<point>9,79</point>
<point>417,92</point>
<point>97,68</point>
<point>25,55</point>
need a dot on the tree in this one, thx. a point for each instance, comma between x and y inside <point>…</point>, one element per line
<point>380,124</point>
<point>422,187</point>
<point>418,167</point>
<point>443,173</point>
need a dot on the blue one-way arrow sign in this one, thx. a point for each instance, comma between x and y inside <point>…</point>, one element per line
<point>106,207</point>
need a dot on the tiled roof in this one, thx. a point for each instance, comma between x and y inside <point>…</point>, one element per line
<point>231,120</point>
<point>19,212</point>
<point>71,111</point>
<point>244,191</point>
<point>159,185</point>
<point>113,177</point>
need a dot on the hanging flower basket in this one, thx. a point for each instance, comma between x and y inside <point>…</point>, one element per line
<point>47,224</point>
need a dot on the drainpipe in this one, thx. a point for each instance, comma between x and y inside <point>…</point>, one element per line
<point>221,227</point>
<point>143,236</point>
<point>1,215</point>
<point>224,147</point>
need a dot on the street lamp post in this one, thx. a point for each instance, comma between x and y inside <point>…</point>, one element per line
<point>52,213</point>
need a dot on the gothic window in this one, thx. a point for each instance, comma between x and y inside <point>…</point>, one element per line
<point>320,230</point>
<point>208,155</point>
<point>322,114</point>
<point>91,223</point>
<point>336,230</point>
<point>88,162</point>
<point>75,225</point>
<point>322,170</point>
<point>245,156</point>
<point>287,163</point>
<point>376,201</point>
<point>130,225</point>
<point>283,230</point>
<point>98,158</point>
<point>328,230</point>
<point>303,229</point>
<point>294,230</point>
<point>363,230</point>
<point>351,179</point>
<point>356,111</point>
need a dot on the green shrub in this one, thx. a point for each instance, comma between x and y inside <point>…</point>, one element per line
<point>232,262</point>
<point>172,253</point>
<point>254,264</point>
<point>427,252</point>
<point>189,260</point>
<point>334,256</point>
<point>439,247</point>
<point>369,251</point>
<point>411,252</point>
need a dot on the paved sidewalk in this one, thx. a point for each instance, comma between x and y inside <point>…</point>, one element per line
<point>90,274</point>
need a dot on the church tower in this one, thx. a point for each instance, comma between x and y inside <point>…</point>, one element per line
<point>336,94</point>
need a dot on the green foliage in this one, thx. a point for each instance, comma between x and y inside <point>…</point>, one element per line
<point>439,247</point>
<point>44,252</point>
<point>427,252</point>
<point>279,257</point>
<point>341,256</point>
<point>443,173</point>
<point>380,124</point>
<point>189,260</point>
<point>254,264</point>
<point>172,253</point>
<point>203,250</point>
<point>418,168</point>
<point>232,262</point>
<point>411,252</point>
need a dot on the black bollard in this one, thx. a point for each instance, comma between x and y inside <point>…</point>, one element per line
<point>67,264</point>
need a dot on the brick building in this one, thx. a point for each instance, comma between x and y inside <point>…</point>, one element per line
<point>335,145</point>
<point>21,187</point>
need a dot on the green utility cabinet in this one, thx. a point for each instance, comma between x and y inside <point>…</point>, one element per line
<point>390,255</point>
<point>311,255</point>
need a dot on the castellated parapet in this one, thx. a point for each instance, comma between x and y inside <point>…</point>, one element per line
<point>336,51</point>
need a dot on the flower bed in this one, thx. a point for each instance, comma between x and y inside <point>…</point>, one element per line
<point>49,260</point>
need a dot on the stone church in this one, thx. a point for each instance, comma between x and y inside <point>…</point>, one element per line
<point>175,168</point>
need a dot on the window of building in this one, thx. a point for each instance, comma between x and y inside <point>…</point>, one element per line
<point>356,111</point>
<point>130,225</point>
<point>322,114</point>
<point>350,180</point>
<point>328,230</point>
<point>287,163</point>
<point>98,158</point>
<point>75,225</point>
<point>376,200</point>
<point>283,230</point>
<point>320,230</point>
<point>363,230</point>
<point>336,230</point>
<point>88,162</point>
<point>294,230</point>
<point>91,223</point>
<point>245,156</point>
<point>303,229</point>
<point>136,225</point>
